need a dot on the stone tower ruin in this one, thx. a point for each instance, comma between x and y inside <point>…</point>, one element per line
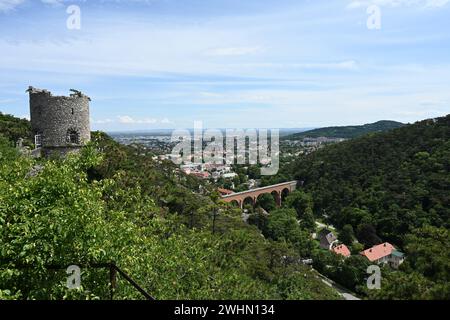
<point>60,124</point>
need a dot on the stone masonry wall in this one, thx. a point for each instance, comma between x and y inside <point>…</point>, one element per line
<point>55,116</point>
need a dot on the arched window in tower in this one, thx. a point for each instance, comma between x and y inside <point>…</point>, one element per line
<point>73,137</point>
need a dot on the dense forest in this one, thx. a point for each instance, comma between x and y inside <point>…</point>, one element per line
<point>169,232</point>
<point>347,132</point>
<point>392,186</point>
<point>396,180</point>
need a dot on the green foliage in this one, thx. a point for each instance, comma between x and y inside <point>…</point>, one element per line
<point>282,225</point>
<point>300,201</point>
<point>6,151</point>
<point>260,220</point>
<point>367,235</point>
<point>303,204</point>
<point>254,172</point>
<point>426,272</point>
<point>13,128</point>
<point>391,186</point>
<point>348,272</point>
<point>113,203</point>
<point>267,202</point>
<point>356,248</point>
<point>347,235</point>
<point>308,222</point>
<point>395,181</point>
<point>428,252</point>
<point>295,286</point>
<point>353,216</point>
<point>410,286</point>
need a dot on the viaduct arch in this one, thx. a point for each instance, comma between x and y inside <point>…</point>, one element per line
<point>278,190</point>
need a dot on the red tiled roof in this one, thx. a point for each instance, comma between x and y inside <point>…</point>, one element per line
<point>225,191</point>
<point>378,251</point>
<point>342,249</point>
<point>201,174</point>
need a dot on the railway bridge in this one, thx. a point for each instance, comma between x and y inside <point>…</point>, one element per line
<point>279,191</point>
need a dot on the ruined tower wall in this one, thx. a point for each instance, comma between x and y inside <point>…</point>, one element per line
<point>55,117</point>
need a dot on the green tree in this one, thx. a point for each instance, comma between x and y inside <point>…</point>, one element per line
<point>347,235</point>
<point>402,286</point>
<point>353,216</point>
<point>283,226</point>
<point>259,219</point>
<point>308,222</point>
<point>300,201</point>
<point>428,252</point>
<point>6,151</point>
<point>367,235</point>
<point>267,202</point>
<point>254,172</point>
<point>356,248</point>
<point>352,273</point>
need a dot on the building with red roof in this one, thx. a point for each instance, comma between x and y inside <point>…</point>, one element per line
<point>342,250</point>
<point>384,253</point>
<point>202,175</point>
<point>225,192</point>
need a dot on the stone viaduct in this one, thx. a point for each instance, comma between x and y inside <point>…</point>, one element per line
<point>278,190</point>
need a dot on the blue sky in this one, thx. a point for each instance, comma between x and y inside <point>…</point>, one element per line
<point>230,63</point>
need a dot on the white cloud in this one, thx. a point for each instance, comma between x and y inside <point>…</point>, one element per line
<point>102,121</point>
<point>126,119</point>
<point>340,65</point>
<point>133,121</point>
<point>130,120</point>
<point>355,5</point>
<point>211,94</point>
<point>233,51</point>
<point>53,2</point>
<point>398,3</point>
<point>437,3</point>
<point>7,5</point>
<point>5,101</point>
<point>166,121</point>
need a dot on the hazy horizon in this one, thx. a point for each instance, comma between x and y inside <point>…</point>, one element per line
<point>225,128</point>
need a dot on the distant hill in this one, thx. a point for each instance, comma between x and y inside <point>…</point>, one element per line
<point>347,132</point>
